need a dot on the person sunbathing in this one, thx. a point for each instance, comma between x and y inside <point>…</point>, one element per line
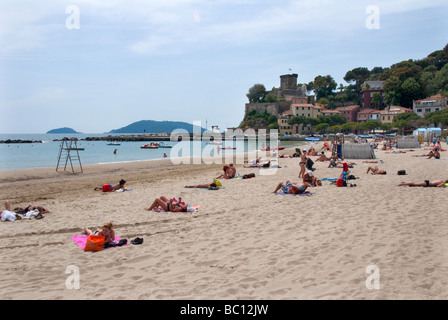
<point>260,165</point>
<point>107,231</point>
<point>292,188</point>
<point>211,186</point>
<point>375,170</point>
<point>435,183</point>
<point>168,205</point>
<point>323,157</point>
<point>339,164</point>
<point>112,187</point>
<point>229,172</point>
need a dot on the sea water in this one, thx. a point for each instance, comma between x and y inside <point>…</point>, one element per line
<point>16,156</point>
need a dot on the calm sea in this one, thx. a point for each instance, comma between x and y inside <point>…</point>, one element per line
<point>45,155</point>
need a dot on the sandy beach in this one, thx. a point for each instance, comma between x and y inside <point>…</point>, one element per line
<point>243,243</point>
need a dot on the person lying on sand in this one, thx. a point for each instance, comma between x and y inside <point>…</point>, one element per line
<point>9,215</point>
<point>107,231</point>
<point>260,165</point>
<point>211,186</point>
<point>31,207</point>
<point>292,188</point>
<point>113,187</point>
<point>435,183</point>
<point>168,205</point>
<point>375,170</point>
<point>372,161</point>
<point>339,164</point>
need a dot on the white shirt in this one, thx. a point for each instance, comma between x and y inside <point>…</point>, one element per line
<point>8,215</point>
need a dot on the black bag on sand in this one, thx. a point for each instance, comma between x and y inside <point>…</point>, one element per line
<point>401,172</point>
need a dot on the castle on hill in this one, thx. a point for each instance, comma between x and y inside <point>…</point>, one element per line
<point>288,93</point>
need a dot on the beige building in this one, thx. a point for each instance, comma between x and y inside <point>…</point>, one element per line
<point>431,104</point>
<point>388,114</point>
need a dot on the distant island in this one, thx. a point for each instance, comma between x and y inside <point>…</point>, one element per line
<point>62,130</point>
<point>151,126</point>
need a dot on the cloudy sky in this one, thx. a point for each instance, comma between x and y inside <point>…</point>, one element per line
<point>98,65</point>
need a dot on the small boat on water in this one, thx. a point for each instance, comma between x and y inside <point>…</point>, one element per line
<point>113,144</point>
<point>152,145</point>
<point>312,139</point>
<point>164,145</point>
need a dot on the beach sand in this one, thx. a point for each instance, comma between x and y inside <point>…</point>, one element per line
<point>243,243</point>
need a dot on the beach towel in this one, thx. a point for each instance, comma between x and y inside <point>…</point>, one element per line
<point>81,240</point>
<point>123,190</point>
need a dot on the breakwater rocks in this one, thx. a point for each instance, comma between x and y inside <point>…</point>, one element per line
<point>138,137</point>
<point>9,141</point>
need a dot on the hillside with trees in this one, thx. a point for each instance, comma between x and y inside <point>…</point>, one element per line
<point>404,82</point>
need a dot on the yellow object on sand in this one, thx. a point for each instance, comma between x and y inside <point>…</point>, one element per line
<point>217,183</point>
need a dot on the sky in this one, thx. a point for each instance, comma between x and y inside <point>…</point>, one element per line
<point>99,65</point>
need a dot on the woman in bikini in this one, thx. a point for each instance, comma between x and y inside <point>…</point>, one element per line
<point>168,205</point>
<point>435,183</point>
<point>302,163</point>
<point>291,188</point>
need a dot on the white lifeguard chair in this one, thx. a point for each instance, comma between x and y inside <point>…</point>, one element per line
<point>70,151</point>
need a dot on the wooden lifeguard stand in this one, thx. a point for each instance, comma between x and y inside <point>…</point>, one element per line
<point>337,141</point>
<point>70,151</point>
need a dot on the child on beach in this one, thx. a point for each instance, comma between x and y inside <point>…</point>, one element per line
<point>111,187</point>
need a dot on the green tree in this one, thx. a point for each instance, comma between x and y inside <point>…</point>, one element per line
<point>324,86</point>
<point>377,100</point>
<point>392,90</point>
<point>357,76</point>
<point>321,127</point>
<point>410,90</point>
<point>256,93</point>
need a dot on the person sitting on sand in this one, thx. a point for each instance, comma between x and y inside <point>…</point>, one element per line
<point>168,205</point>
<point>375,170</point>
<point>113,187</point>
<point>211,186</point>
<point>311,179</point>
<point>312,152</point>
<point>323,157</point>
<point>435,183</point>
<point>435,154</point>
<point>107,231</point>
<point>9,215</point>
<point>292,188</point>
<point>229,172</point>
